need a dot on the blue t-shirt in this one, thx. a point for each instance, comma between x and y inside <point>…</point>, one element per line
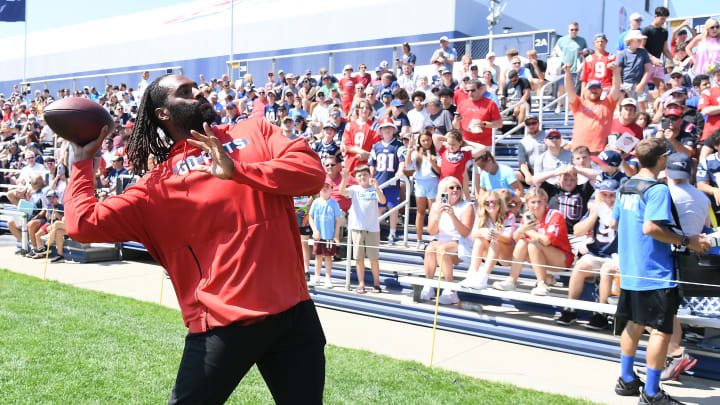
<point>449,53</point>
<point>604,240</point>
<point>386,158</point>
<point>324,214</point>
<point>633,64</point>
<point>640,254</point>
<point>503,178</point>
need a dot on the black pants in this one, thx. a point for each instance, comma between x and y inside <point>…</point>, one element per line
<point>288,348</point>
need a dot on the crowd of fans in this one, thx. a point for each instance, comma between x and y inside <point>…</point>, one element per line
<point>372,128</point>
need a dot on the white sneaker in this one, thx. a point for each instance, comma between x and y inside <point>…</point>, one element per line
<point>505,285</point>
<point>427,293</point>
<point>328,283</point>
<point>541,289</point>
<point>469,279</point>
<point>313,281</point>
<point>479,282</point>
<point>449,297</point>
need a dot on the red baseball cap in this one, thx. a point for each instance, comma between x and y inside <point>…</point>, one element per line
<point>387,122</point>
<point>673,111</point>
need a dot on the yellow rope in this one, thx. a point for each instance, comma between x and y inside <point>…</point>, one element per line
<point>162,284</point>
<point>437,304</point>
<point>713,219</point>
<point>49,242</point>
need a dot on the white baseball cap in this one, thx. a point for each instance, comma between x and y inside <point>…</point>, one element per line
<point>634,34</point>
<point>636,16</point>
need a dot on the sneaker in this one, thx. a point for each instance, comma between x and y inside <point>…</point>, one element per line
<point>420,246</point>
<point>505,285</point>
<point>391,239</point>
<point>313,281</point>
<point>567,317</point>
<point>674,366</point>
<point>61,259</point>
<point>661,398</point>
<point>629,389</point>
<point>541,289</point>
<point>328,283</point>
<point>475,280</point>
<point>449,297</point>
<point>598,322</point>
<point>427,293</point>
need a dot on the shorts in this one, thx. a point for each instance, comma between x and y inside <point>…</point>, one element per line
<point>595,262</point>
<point>324,248</point>
<point>392,195</point>
<point>653,308</point>
<point>361,239</point>
<point>464,252</point>
<point>569,259</point>
<point>426,188</point>
<point>629,88</point>
<point>656,72</point>
<point>45,227</point>
<point>305,231</point>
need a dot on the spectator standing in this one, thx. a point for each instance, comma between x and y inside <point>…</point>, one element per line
<point>656,44</point>
<point>347,88</point>
<point>625,122</point>
<point>440,119</point>
<point>451,219</point>
<point>386,161</point>
<point>418,116</point>
<point>531,146</point>
<point>259,104</point>
<point>479,115</point>
<point>710,107</point>
<point>364,224</point>
<point>569,48</point>
<point>595,66</point>
<point>593,115</point>
<point>708,171</point>
<point>446,98</point>
<point>360,136</point>
<point>445,55</point>
<point>271,109</point>
<point>646,272</point>
<point>636,69</point>
<point>453,157</point>
<point>706,46</point>
<point>325,220</point>
<point>327,146</point>
<point>407,57</point>
<point>363,77</point>
<point>332,170</point>
<point>636,20</point>
<point>423,160</point>
<point>407,78</point>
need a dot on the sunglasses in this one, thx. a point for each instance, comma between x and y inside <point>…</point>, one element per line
<point>553,137</point>
<point>516,63</point>
<point>532,123</point>
<point>714,27</point>
<point>336,114</point>
<point>673,118</point>
<point>454,188</point>
<point>490,203</point>
<point>574,29</point>
<point>473,68</point>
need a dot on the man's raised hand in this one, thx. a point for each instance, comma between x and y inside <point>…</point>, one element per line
<point>222,165</point>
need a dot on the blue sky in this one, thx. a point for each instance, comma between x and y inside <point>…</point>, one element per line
<point>46,14</point>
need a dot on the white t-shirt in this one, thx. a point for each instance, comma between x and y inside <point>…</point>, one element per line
<point>417,119</point>
<point>363,213</point>
<point>28,171</point>
<point>693,207</point>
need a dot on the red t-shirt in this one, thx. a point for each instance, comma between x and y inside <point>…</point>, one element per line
<point>259,107</point>
<point>710,98</point>
<point>553,226</point>
<point>633,129</point>
<point>364,80</point>
<point>595,68</point>
<point>484,110</point>
<point>460,96</point>
<point>347,86</point>
<point>361,135</point>
<point>453,163</point>
<point>342,201</point>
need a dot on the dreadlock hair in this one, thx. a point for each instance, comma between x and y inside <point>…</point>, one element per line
<point>145,139</point>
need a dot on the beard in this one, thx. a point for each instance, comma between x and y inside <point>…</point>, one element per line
<point>192,116</point>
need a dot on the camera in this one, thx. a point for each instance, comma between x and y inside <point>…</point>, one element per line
<point>665,123</point>
<point>444,198</point>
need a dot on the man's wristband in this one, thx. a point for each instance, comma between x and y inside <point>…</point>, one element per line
<point>685,240</point>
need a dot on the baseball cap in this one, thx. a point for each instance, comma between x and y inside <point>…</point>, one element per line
<point>325,77</point>
<point>271,74</point>
<point>673,111</point>
<point>395,103</point>
<point>677,71</point>
<point>213,94</point>
<point>281,72</point>
<point>678,90</point>
<point>608,157</point>
<point>629,101</point>
<point>490,55</point>
<point>433,100</point>
<point>329,124</point>
<point>29,154</point>
<point>636,16</point>
<point>601,35</point>
<point>674,100</point>
<point>387,93</point>
<point>249,88</point>
<point>552,132</point>
<point>678,166</point>
<point>712,68</point>
<point>593,83</point>
<point>271,93</point>
<point>607,185</point>
<point>308,71</point>
<point>348,67</point>
<point>442,70</point>
<point>379,68</point>
<point>387,122</point>
<point>290,76</point>
<point>443,38</point>
<point>51,193</point>
<point>288,118</point>
<point>117,157</point>
<point>383,64</point>
<point>634,34</point>
<point>512,73</point>
<point>531,117</point>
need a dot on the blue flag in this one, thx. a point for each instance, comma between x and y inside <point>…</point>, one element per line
<point>12,10</point>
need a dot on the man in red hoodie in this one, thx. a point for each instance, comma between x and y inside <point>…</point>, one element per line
<point>206,213</point>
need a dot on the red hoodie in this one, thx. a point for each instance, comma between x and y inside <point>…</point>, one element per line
<point>232,247</point>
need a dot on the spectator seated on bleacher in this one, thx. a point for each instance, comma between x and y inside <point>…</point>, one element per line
<point>542,238</point>
<point>554,157</point>
<point>37,198</point>
<point>517,90</point>
<point>601,253</point>
<point>491,175</point>
<point>51,219</point>
<point>28,175</point>
<point>671,130</point>
<point>708,171</point>
<point>450,221</point>
<point>608,161</point>
<point>492,238</point>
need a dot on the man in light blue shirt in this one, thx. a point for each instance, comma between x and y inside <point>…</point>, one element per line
<point>494,176</point>
<point>445,55</point>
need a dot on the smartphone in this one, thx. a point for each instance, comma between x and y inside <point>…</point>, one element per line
<point>529,217</point>
<point>665,123</point>
<point>444,198</point>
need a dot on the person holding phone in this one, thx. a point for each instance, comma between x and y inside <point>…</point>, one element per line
<point>671,131</point>
<point>542,237</point>
<point>451,221</point>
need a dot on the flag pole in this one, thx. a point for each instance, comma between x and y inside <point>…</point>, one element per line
<point>25,50</point>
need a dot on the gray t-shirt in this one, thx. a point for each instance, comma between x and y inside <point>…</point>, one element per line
<point>363,214</point>
<point>547,162</point>
<point>692,207</point>
<point>530,147</point>
<point>633,64</point>
<point>442,121</point>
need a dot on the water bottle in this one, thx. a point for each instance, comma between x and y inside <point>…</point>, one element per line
<point>470,306</point>
<point>604,213</point>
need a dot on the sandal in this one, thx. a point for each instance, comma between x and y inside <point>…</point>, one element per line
<point>376,289</point>
<point>360,290</point>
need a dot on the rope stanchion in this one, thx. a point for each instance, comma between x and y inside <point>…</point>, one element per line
<point>437,306</point>
<point>162,284</point>
<point>49,242</point>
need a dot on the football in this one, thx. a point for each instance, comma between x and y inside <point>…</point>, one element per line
<point>77,119</point>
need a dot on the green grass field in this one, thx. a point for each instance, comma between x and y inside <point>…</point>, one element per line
<point>64,345</point>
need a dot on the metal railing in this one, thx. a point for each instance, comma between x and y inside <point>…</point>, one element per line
<point>107,76</point>
<point>542,106</point>
<point>406,222</point>
<point>477,47</point>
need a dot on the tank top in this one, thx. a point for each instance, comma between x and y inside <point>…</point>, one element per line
<point>446,227</point>
<point>707,52</point>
